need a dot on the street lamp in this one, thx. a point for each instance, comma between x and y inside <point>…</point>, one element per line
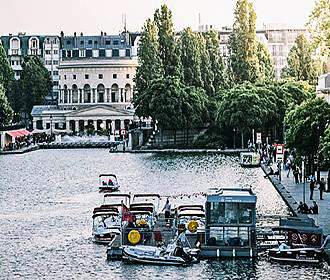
<point>234,129</point>
<point>51,126</point>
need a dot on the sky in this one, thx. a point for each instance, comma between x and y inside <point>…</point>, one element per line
<point>93,16</point>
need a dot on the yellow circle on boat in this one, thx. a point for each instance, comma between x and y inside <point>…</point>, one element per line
<point>134,236</point>
<point>141,222</point>
<point>192,225</point>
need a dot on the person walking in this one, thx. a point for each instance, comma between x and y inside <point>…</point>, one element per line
<point>311,187</point>
<point>167,208</point>
<point>321,188</point>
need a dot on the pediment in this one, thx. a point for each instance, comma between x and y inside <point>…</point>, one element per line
<point>99,111</point>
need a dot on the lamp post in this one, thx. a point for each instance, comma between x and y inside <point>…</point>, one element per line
<point>51,126</point>
<point>234,129</point>
<point>303,169</point>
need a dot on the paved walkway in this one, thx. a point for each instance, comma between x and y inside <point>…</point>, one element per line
<point>292,194</point>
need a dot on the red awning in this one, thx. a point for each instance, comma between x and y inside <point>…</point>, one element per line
<point>18,133</point>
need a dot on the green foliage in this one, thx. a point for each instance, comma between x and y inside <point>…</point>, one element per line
<point>266,65</point>
<point>168,47</point>
<point>6,72</point>
<point>243,60</point>
<point>319,26</point>
<point>300,63</point>
<point>324,148</point>
<point>150,66</point>
<point>295,92</point>
<point>306,124</point>
<point>191,58</point>
<point>35,82</point>
<point>6,112</point>
<point>220,75</point>
<point>173,104</point>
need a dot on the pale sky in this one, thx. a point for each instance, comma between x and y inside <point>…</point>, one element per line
<point>93,16</point>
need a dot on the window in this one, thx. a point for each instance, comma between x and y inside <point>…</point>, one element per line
<point>107,42</point>
<point>127,76</point>
<point>100,76</point>
<point>115,42</point>
<point>90,42</point>
<point>88,53</point>
<point>75,53</point>
<point>68,53</point>
<point>55,62</point>
<point>95,42</point>
<point>114,76</point>
<point>128,52</point>
<point>86,76</point>
<point>74,77</point>
<point>68,42</point>
<point>48,52</point>
<point>55,51</point>
<point>102,53</point>
<point>81,42</point>
<point>55,73</point>
<point>55,83</point>
<point>64,77</point>
<point>48,62</point>
<point>115,53</point>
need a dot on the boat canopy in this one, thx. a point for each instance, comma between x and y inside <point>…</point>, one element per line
<point>107,175</point>
<point>233,194</point>
<point>105,208</point>
<point>117,195</point>
<point>147,195</point>
<point>140,212</point>
<point>100,214</point>
<point>140,204</point>
<point>191,207</point>
<point>191,213</point>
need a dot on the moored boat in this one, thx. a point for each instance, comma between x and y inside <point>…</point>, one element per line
<point>249,159</point>
<point>108,183</point>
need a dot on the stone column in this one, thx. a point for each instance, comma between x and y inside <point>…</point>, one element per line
<point>81,100</point>
<point>121,99</point>
<point>122,124</point>
<point>67,124</point>
<point>34,124</point>
<point>104,124</point>
<point>112,126</point>
<point>43,124</point>
<point>95,124</point>
<point>77,125</point>
<point>108,95</point>
<point>93,99</point>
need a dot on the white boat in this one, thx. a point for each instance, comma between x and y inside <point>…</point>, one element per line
<point>190,217</point>
<point>173,254</point>
<point>249,159</point>
<point>106,226</point>
<point>108,183</point>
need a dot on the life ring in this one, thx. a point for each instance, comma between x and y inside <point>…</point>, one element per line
<point>141,222</point>
<point>192,226</point>
<point>134,236</point>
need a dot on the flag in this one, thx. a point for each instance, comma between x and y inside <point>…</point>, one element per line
<point>126,214</point>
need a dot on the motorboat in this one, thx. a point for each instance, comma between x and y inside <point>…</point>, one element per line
<point>173,254</point>
<point>190,217</point>
<point>108,183</point>
<point>249,159</point>
<point>106,226</point>
<point>148,200</point>
<point>295,249</point>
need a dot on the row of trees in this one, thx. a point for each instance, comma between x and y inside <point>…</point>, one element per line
<point>182,81</point>
<point>19,96</point>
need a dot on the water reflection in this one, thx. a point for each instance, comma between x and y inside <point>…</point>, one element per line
<point>47,199</point>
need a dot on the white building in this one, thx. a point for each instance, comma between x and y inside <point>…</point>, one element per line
<point>323,87</point>
<point>95,86</point>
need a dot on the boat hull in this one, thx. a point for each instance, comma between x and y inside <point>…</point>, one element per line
<point>308,255</point>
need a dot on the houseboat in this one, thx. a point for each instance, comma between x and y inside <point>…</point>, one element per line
<point>230,226</point>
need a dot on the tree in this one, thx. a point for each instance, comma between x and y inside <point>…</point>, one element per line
<point>306,124</point>
<point>300,63</point>
<point>220,77</point>
<point>324,148</point>
<point>173,104</point>
<point>169,50</point>
<point>6,72</point>
<point>319,26</point>
<point>6,112</point>
<point>244,107</point>
<point>35,82</point>
<point>150,65</point>
<point>266,65</point>
<point>243,60</point>
<point>191,58</point>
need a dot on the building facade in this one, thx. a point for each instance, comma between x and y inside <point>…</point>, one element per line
<point>47,48</point>
<point>323,87</point>
<point>95,85</point>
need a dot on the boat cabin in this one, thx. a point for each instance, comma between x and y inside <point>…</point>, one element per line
<point>230,228</point>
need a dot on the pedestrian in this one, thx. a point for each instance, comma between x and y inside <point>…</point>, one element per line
<point>314,209</point>
<point>321,188</point>
<point>296,175</point>
<point>311,187</point>
<point>288,165</point>
<point>167,208</point>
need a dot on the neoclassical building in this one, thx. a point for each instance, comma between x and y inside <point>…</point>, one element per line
<point>95,85</point>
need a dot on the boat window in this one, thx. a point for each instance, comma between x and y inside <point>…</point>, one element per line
<point>244,235</point>
<point>231,213</point>
<point>245,213</point>
<point>217,233</point>
<point>217,211</point>
<point>231,236</point>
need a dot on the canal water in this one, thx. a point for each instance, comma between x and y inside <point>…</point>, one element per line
<point>47,198</point>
